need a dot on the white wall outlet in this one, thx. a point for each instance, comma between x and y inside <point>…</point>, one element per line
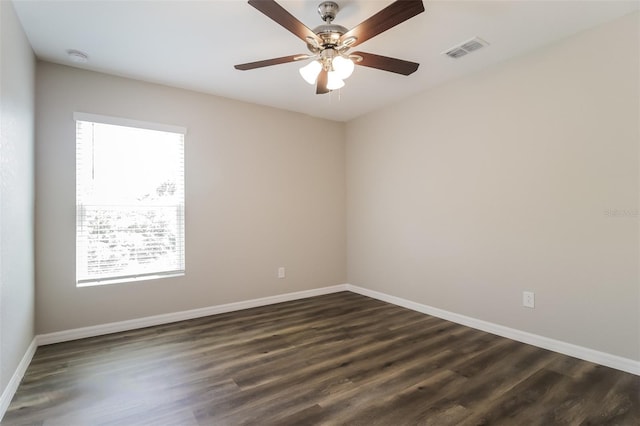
<point>528,299</point>
<point>281,272</point>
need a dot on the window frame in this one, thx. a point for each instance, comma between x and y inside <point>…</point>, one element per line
<point>144,125</point>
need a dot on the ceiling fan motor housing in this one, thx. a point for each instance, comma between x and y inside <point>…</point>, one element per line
<point>330,34</point>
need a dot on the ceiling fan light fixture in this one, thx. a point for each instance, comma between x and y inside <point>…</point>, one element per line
<point>343,66</point>
<point>334,81</point>
<point>310,71</point>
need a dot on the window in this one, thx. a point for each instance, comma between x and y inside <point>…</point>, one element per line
<point>129,200</point>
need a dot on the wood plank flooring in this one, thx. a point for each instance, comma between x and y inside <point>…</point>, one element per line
<point>339,359</point>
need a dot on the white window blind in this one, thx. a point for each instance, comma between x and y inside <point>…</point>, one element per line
<point>129,199</point>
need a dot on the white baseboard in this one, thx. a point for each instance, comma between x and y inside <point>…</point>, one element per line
<point>591,355</point>
<point>115,327</point>
<point>587,354</point>
<point>12,386</point>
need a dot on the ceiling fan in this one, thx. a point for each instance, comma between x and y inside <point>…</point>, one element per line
<point>329,43</point>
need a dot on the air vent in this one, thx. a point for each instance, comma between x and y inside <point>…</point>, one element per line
<point>466,47</point>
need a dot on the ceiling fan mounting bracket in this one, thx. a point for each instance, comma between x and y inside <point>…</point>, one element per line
<point>328,10</point>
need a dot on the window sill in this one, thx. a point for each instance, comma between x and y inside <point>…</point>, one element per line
<point>108,281</point>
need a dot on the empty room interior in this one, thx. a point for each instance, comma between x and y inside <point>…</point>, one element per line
<point>303,212</point>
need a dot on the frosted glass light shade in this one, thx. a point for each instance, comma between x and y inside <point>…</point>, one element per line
<point>343,66</point>
<point>310,71</point>
<point>334,81</point>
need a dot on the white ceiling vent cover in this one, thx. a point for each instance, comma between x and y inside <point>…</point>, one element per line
<point>465,47</point>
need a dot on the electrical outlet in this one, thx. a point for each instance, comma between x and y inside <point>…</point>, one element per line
<point>528,299</point>
<point>281,272</point>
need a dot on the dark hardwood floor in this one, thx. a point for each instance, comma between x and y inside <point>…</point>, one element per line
<point>340,359</point>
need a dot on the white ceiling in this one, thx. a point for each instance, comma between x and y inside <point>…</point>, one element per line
<point>194,44</point>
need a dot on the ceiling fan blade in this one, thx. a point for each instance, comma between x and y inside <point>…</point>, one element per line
<point>392,15</point>
<point>321,84</point>
<point>277,13</point>
<point>269,62</point>
<point>385,63</point>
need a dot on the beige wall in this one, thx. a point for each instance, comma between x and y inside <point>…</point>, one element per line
<point>17,74</point>
<point>464,196</point>
<point>264,188</point>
